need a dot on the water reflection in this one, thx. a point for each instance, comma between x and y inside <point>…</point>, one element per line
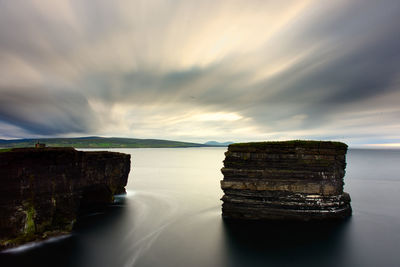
<point>284,244</point>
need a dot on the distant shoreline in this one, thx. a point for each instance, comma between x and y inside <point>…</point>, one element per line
<point>102,143</point>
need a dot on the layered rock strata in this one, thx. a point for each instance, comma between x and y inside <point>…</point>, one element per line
<point>291,180</point>
<point>42,190</point>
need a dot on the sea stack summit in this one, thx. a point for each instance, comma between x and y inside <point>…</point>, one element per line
<point>290,180</point>
<point>43,189</point>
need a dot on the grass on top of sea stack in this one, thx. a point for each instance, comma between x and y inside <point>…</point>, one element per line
<point>312,144</point>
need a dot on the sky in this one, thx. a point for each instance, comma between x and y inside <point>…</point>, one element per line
<point>189,70</point>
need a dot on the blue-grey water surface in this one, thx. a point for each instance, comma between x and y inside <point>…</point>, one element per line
<point>171,216</point>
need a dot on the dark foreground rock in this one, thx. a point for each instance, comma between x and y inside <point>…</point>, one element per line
<point>292,180</point>
<point>43,190</point>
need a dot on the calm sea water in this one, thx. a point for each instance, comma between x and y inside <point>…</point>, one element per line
<point>171,217</point>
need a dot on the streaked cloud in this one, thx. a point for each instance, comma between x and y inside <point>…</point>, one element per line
<point>201,70</point>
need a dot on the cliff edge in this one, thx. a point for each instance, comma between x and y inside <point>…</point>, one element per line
<point>42,190</point>
<point>290,180</point>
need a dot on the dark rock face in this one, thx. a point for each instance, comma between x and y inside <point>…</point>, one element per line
<point>42,190</point>
<point>292,180</point>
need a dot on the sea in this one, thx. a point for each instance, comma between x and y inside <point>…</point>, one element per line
<point>171,216</point>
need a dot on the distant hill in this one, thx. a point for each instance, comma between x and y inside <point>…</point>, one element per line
<point>97,142</point>
<point>215,143</point>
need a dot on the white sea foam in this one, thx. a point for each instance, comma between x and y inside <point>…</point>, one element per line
<point>35,244</point>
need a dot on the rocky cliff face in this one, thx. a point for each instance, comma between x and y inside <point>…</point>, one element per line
<point>293,180</point>
<point>43,190</point>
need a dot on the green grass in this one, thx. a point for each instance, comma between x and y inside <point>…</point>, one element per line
<point>300,143</point>
<point>98,142</point>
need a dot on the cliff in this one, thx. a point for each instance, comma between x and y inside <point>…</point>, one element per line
<point>43,190</point>
<point>292,180</point>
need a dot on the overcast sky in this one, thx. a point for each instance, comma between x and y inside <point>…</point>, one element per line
<point>235,70</point>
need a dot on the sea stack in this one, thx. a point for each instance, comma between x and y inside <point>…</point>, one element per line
<point>42,190</point>
<point>289,180</point>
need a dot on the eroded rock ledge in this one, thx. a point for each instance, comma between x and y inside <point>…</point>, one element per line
<point>43,190</point>
<point>291,180</point>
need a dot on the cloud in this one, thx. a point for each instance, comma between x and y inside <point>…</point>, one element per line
<point>287,69</point>
<point>40,112</point>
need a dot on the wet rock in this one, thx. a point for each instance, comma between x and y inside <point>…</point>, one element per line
<point>291,180</point>
<point>42,190</point>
